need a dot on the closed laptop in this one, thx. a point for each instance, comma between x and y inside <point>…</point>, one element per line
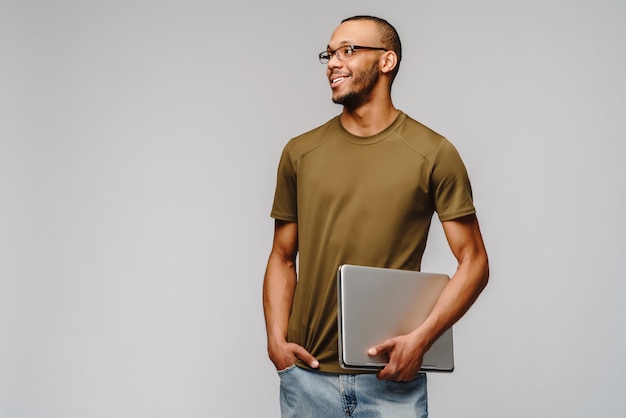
<point>375,304</point>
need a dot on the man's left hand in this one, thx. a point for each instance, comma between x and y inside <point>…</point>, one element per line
<point>405,357</point>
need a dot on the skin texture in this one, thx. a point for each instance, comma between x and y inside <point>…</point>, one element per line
<point>367,110</point>
<point>364,83</point>
<point>278,289</point>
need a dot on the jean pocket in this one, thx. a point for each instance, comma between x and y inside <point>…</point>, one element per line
<point>283,371</point>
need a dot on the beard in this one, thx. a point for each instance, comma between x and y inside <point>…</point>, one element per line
<point>364,83</point>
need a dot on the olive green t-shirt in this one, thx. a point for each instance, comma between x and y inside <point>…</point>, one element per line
<point>364,201</point>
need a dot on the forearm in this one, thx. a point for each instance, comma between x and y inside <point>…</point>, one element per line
<point>278,290</point>
<point>406,352</point>
<point>466,284</point>
<point>457,297</point>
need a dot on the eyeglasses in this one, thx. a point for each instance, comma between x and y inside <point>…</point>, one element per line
<point>345,52</point>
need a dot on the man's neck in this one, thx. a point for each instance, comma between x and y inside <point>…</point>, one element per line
<point>369,119</point>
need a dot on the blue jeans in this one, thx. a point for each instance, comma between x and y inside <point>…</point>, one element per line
<point>310,394</point>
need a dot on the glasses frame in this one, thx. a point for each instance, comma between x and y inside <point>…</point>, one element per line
<point>326,56</point>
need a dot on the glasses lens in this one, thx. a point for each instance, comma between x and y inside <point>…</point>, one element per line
<point>344,52</point>
<point>324,57</point>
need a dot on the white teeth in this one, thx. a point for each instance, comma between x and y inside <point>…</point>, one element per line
<point>337,79</point>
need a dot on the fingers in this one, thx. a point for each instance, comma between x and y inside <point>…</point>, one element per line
<point>399,371</point>
<point>401,366</point>
<point>306,357</point>
<point>383,348</point>
<point>288,354</point>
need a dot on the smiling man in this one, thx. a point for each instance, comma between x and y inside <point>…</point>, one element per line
<point>361,189</point>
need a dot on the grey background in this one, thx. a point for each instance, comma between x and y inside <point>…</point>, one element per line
<point>138,148</point>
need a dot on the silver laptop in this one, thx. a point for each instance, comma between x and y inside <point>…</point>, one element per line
<point>375,304</point>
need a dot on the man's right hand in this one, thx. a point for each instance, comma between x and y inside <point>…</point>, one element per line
<point>287,354</point>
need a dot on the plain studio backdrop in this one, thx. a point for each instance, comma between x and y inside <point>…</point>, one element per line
<point>139,142</point>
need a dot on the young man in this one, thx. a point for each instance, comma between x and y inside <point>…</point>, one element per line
<point>361,189</point>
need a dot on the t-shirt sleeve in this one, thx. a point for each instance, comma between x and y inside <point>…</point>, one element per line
<point>285,206</point>
<point>452,191</point>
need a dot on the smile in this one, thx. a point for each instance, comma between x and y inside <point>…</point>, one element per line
<point>337,80</point>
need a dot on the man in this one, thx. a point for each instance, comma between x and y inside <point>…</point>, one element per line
<point>361,189</point>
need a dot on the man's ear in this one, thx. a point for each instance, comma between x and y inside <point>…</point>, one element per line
<point>389,61</point>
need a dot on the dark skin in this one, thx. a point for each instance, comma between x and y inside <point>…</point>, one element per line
<point>406,352</point>
<point>278,289</point>
<point>372,115</point>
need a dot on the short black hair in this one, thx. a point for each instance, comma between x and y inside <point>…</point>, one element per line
<point>388,36</point>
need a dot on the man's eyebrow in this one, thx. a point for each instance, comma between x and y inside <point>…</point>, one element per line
<point>342,43</point>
